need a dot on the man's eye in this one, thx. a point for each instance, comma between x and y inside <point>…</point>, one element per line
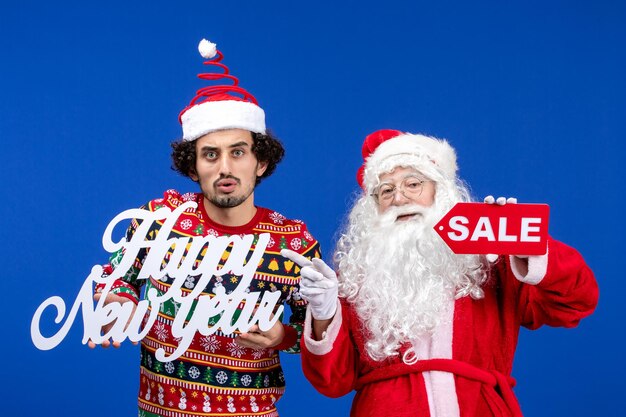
<point>211,155</point>
<point>238,152</point>
<point>386,191</point>
<point>413,184</point>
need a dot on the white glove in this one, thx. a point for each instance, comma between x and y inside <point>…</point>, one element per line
<point>492,257</point>
<point>318,285</point>
<point>500,201</point>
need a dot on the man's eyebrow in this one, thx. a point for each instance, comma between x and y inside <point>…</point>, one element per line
<point>241,143</point>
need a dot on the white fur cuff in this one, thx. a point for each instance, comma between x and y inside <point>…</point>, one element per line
<point>531,273</point>
<point>322,347</point>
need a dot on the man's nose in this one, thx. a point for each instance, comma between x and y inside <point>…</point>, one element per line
<point>225,165</point>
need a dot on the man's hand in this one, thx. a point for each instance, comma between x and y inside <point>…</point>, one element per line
<point>110,299</point>
<point>318,285</point>
<point>256,339</point>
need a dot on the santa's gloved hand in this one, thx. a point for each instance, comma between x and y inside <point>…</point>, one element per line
<point>318,285</point>
<point>492,257</point>
<point>500,200</point>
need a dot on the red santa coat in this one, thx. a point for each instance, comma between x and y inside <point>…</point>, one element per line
<point>464,368</point>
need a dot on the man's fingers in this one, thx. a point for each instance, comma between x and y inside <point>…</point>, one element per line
<point>252,340</point>
<point>255,328</point>
<point>321,266</point>
<point>317,283</point>
<point>313,290</point>
<point>511,200</point>
<point>310,274</point>
<point>296,257</point>
<point>489,199</point>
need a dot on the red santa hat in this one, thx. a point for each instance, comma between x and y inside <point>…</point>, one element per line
<point>386,149</point>
<point>220,107</point>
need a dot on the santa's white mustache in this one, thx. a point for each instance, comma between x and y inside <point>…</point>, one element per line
<point>391,215</point>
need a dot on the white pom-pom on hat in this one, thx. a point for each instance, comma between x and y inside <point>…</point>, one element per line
<point>207,49</point>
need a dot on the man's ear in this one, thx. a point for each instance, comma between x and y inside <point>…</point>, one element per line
<point>193,175</point>
<point>261,167</point>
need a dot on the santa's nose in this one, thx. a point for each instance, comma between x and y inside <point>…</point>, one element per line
<point>399,198</point>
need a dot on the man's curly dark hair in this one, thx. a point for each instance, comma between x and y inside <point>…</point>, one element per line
<point>266,147</point>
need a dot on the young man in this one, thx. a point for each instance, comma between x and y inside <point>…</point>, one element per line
<point>225,148</point>
<point>418,330</point>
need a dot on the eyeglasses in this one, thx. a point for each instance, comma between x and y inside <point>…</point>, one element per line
<point>411,187</point>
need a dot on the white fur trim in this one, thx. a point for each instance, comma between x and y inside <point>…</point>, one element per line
<point>418,148</point>
<point>207,49</point>
<point>219,115</point>
<point>446,401</point>
<point>531,270</point>
<point>440,386</point>
<point>322,347</point>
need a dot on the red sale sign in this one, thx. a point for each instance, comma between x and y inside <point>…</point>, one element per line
<point>511,229</point>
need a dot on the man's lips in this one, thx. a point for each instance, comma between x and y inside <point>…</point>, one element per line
<point>226,186</point>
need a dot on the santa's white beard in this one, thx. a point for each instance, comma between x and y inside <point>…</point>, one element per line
<point>400,277</point>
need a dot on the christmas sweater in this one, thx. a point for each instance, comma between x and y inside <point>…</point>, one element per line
<point>215,376</point>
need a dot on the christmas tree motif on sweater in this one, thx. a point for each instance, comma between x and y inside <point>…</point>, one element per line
<point>206,405</point>
<point>208,375</point>
<point>182,404</point>
<point>181,371</point>
<point>258,381</point>
<point>158,366</point>
<point>234,379</point>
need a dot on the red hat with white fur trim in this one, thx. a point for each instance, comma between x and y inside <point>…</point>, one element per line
<point>220,107</point>
<point>386,149</point>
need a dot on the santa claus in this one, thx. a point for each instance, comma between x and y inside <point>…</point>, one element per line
<point>415,329</point>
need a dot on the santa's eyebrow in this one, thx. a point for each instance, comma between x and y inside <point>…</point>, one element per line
<point>413,175</point>
<point>417,176</point>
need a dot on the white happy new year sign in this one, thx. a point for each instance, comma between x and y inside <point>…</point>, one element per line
<point>129,325</point>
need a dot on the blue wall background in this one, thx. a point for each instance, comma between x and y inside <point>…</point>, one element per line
<point>532,94</point>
